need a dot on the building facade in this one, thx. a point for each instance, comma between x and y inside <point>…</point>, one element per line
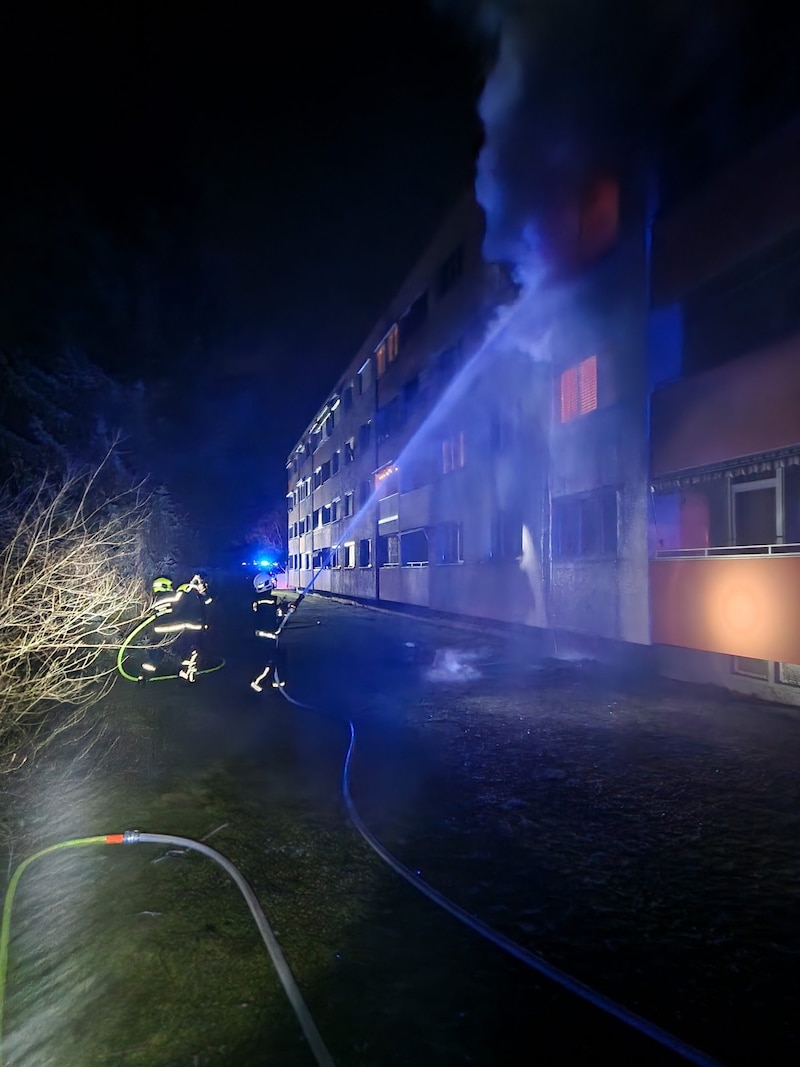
<point>725,448</point>
<point>610,456</point>
<point>484,452</point>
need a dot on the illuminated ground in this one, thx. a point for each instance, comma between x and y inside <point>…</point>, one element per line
<point>642,837</point>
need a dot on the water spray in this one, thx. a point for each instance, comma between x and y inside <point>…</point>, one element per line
<point>454,391</point>
<point>135,837</point>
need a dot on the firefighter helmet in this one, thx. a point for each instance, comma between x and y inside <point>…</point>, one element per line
<point>162,585</point>
<point>262,582</point>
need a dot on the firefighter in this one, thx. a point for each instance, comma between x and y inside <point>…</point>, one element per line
<point>162,605</point>
<point>264,604</point>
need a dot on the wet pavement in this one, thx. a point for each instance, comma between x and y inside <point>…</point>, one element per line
<point>639,835</point>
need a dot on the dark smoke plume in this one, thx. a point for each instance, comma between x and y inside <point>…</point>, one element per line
<point>582,87</point>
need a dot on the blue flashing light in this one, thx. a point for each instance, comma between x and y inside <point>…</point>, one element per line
<point>265,562</point>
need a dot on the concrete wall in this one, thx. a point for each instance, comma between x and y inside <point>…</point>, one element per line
<point>748,406</point>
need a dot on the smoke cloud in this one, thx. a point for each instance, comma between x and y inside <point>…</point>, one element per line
<point>574,88</point>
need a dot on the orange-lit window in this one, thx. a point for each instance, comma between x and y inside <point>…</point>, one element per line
<point>387,350</point>
<point>578,390</point>
<point>392,344</point>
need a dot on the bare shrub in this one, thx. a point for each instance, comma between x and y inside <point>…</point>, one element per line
<point>69,581</point>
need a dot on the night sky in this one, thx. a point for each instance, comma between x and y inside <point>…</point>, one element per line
<point>219,205</point>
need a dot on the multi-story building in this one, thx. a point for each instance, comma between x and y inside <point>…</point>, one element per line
<point>484,451</point>
<point>610,456</point>
<point>725,574</point>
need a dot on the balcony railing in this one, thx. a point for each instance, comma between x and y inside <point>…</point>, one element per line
<point>728,551</point>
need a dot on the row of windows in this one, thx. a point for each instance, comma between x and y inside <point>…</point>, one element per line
<point>584,525</point>
<point>420,472</point>
<point>440,544</point>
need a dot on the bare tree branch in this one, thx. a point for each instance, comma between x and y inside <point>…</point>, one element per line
<point>69,578</point>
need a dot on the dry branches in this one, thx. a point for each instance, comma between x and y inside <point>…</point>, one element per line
<point>68,580</point>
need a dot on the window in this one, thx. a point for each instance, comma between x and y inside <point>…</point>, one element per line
<point>413,548</point>
<point>506,534</point>
<point>364,492</point>
<point>349,450</point>
<point>421,469</point>
<point>318,477</point>
<point>350,554</point>
<point>347,398</point>
<point>326,514</point>
<point>578,390</point>
<point>388,550</point>
<point>391,418</point>
<point>348,504</point>
<point>754,512</point>
<point>363,378</point>
<point>335,509</point>
<point>450,271</point>
<point>392,343</point>
<point>329,423</point>
<point>751,668</point>
<point>448,543</point>
<point>316,440</point>
<point>598,218</point>
<point>325,472</point>
<point>316,517</point>
<point>317,560</point>
<point>364,434</point>
<point>386,352</point>
<point>335,461</point>
<point>413,319</point>
<point>501,431</point>
<point>364,552</point>
<point>453,456</point>
<point>791,505</point>
<point>335,558</point>
<point>585,525</point>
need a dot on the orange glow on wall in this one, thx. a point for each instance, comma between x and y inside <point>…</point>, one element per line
<point>739,607</point>
<point>599,218</point>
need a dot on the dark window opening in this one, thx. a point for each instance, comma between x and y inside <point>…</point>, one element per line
<point>388,550</point>
<point>585,525</point>
<point>413,319</point>
<point>450,271</point>
<point>448,543</point>
<point>413,547</point>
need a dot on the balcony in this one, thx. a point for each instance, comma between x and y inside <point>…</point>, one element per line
<point>739,601</point>
<point>747,407</point>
